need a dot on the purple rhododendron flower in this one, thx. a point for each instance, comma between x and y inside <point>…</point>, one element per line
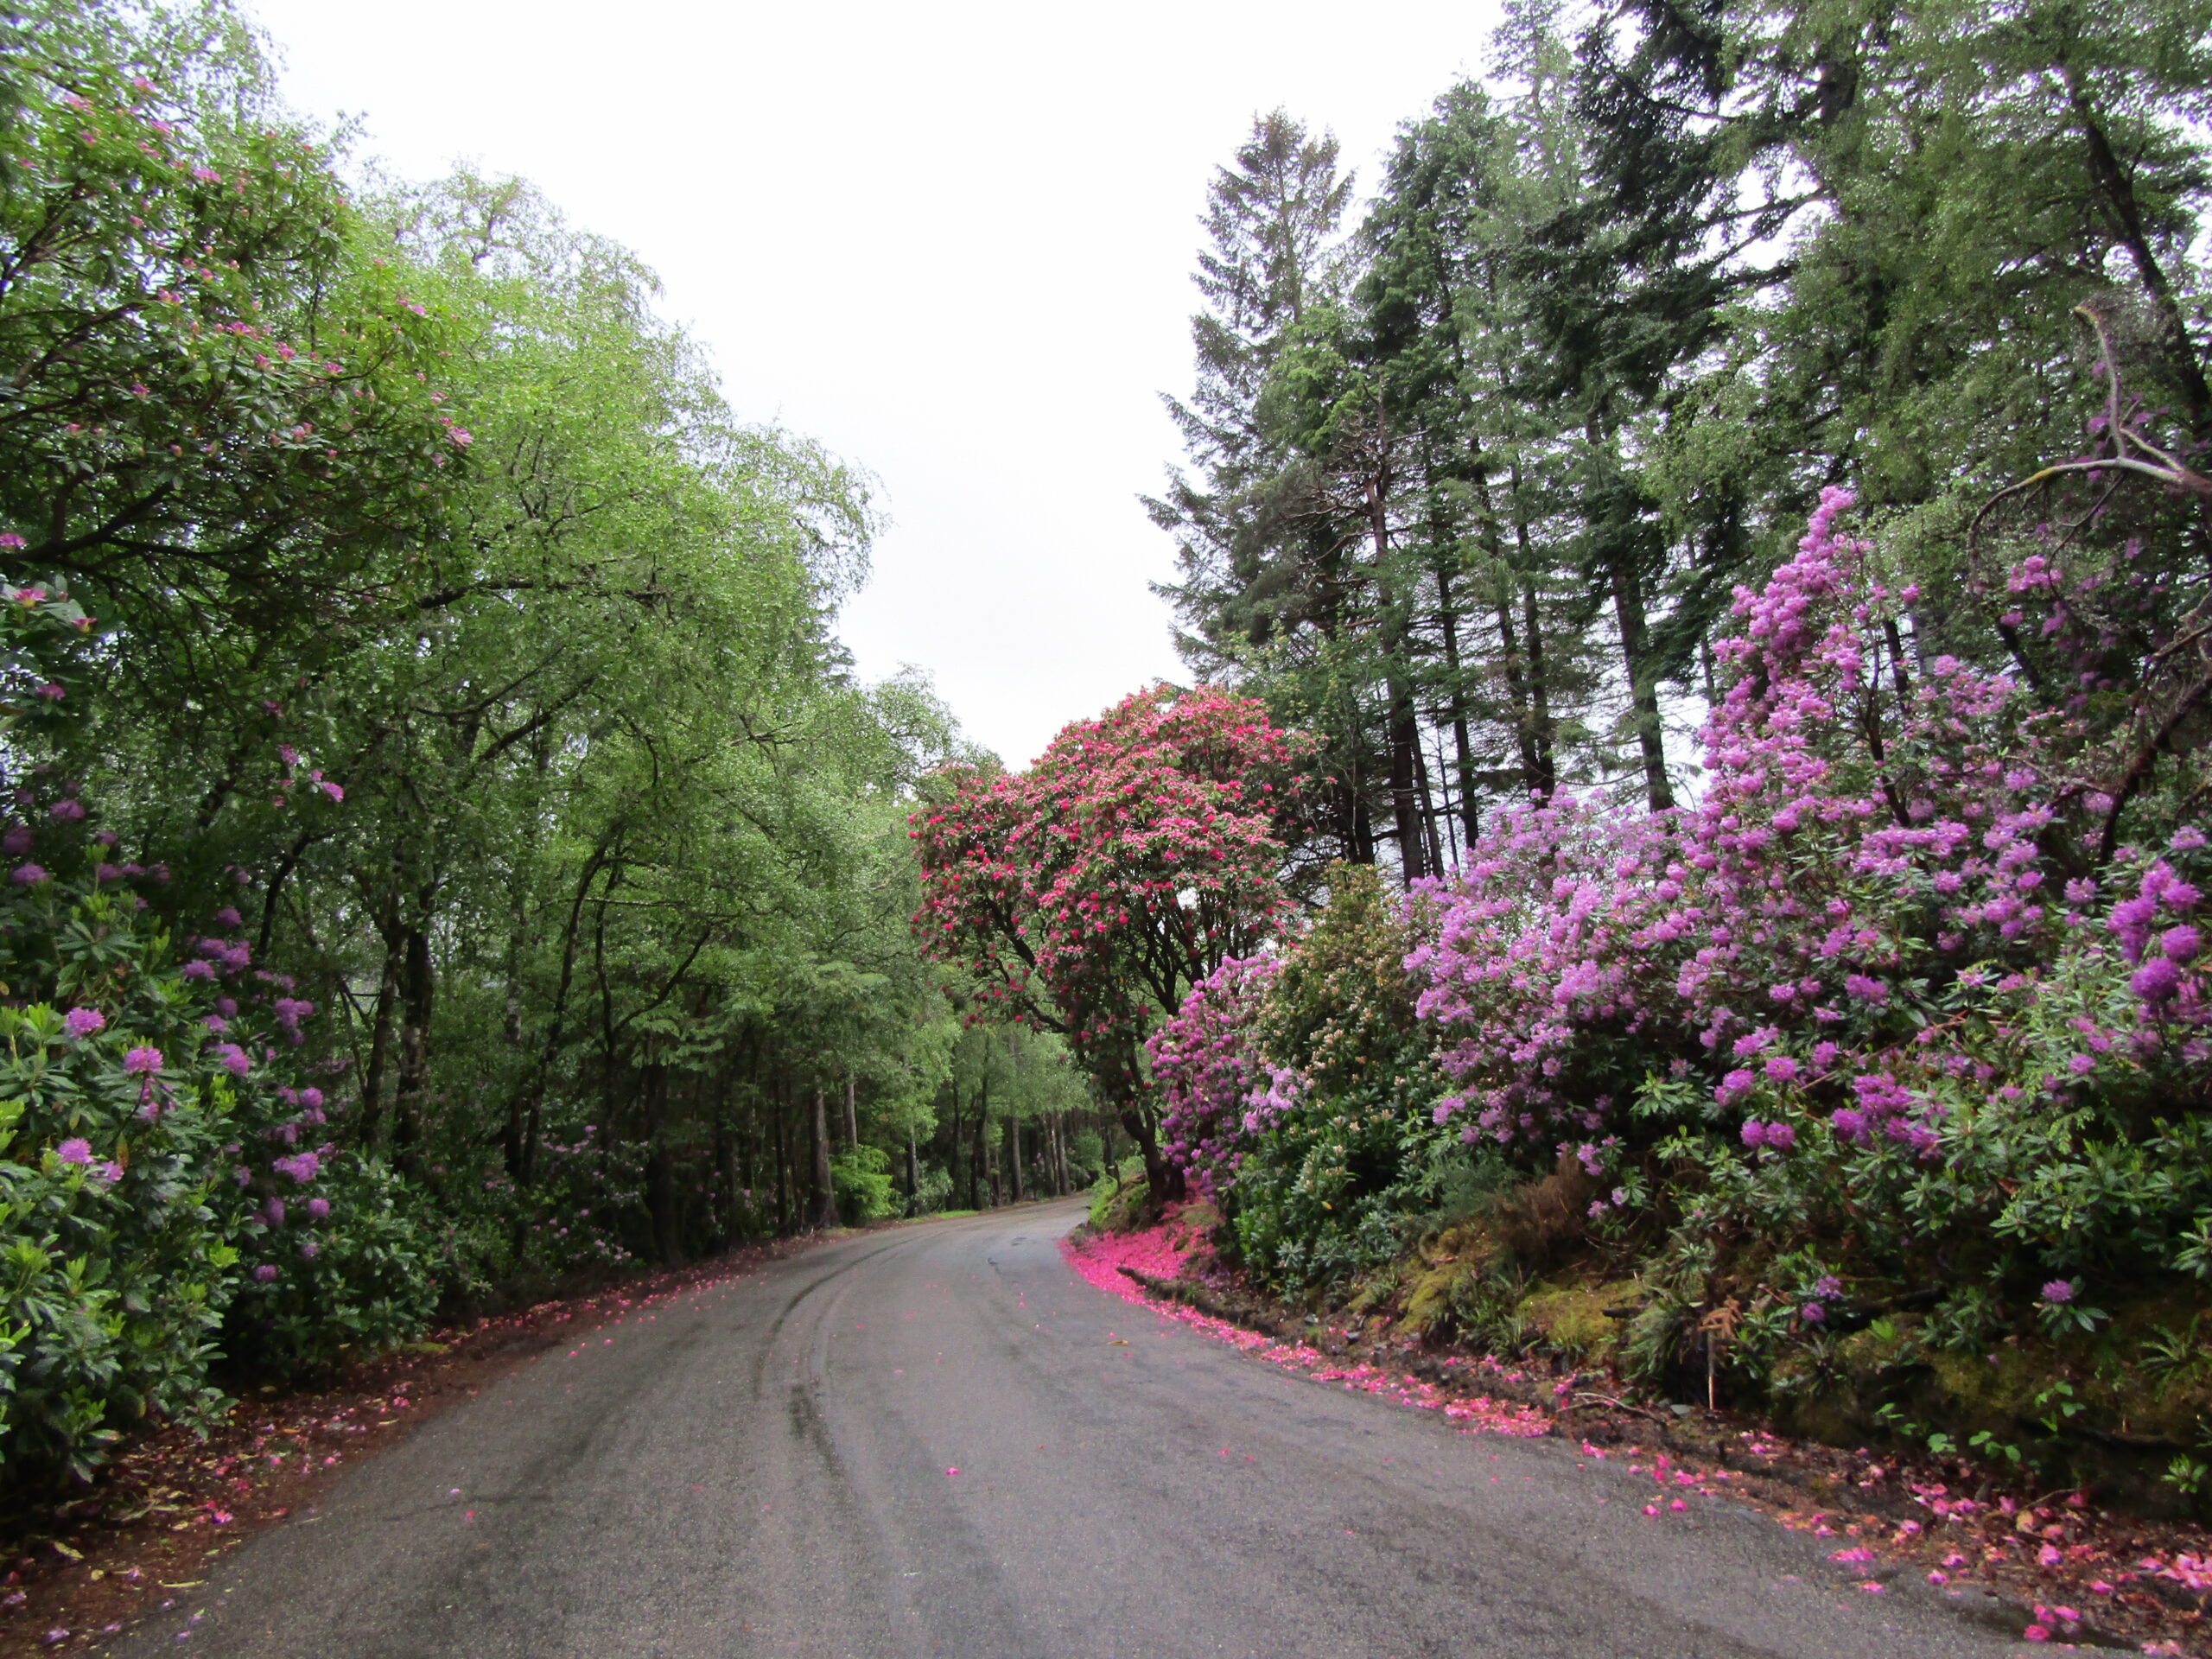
<point>2058,1292</point>
<point>227,917</point>
<point>1849,1123</point>
<point>83,1022</point>
<point>1781,1136</point>
<point>1813,1313</point>
<point>234,1059</point>
<point>1828,1287</point>
<point>28,875</point>
<point>309,1248</point>
<point>75,1150</point>
<point>2180,944</point>
<point>1733,1087</point>
<point>2156,981</point>
<point>265,1274</point>
<point>1754,1133</point>
<point>319,1208</point>
<point>142,1061</point>
<point>1868,990</point>
<point>66,811</point>
<point>198,969</point>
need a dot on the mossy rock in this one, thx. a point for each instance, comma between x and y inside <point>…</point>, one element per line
<point>1199,1216</point>
<point>1375,1293</point>
<point>1868,1354</point>
<point>1120,1209</point>
<point>1442,1276</point>
<point>1572,1319</point>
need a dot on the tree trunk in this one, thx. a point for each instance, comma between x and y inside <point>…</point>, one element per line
<point>978,1155</point>
<point>825,1193</point>
<point>725,1213</point>
<point>371,1119</point>
<point>410,1098</point>
<point>1462,747</point>
<point>1428,810</point>
<point>952,1151</point>
<point>1546,778</point>
<point>1014,1158</point>
<point>852,1116</point>
<point>784,1208</point>
<point>660,1174</point>
<point>1405,805</point>
<point>1644,691</point>
<point>1165,1179</point>
<point>913,1175</point>
<point>2116,183</point>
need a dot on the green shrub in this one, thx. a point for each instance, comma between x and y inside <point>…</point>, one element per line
<point>861,1178</point>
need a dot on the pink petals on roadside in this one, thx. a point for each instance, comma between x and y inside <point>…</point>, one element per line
<point>1161,1252</point>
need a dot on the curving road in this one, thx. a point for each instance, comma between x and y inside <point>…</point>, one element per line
<point>763,1467</point>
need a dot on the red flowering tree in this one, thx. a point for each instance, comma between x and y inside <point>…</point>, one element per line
<point>1090,894</point>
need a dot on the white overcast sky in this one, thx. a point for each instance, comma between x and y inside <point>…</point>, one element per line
<point>953,242</point>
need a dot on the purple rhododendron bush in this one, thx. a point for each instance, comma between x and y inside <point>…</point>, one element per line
<point>170,1193</point>
<point>1872,1085</point>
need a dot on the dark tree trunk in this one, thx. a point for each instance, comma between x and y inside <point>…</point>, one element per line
<point>784,1205</point>
<point>1429,811</point>
<point>1165,1179</point>
<point>979,1160</point>
<point>1546,778</point>
<point>410,1098</point>
<point>913,1175</point>
<point>1643,690</point>
<point>1540,696</point>
<point>660,1174</point>
<point>1463,753</point>
<point>1405,803</point>
<point>725,1164</point>
<point>371,1119</point>
<point>1014,1158</point>
<point>2115,182</point>
<point>825,1193</point>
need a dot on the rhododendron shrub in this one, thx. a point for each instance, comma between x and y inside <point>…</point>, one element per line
<point>1916,971</point>
<point>1090,893</point>
<point>169,1190</point>
<point>1216,1089</point>
<point>1303,1091</point>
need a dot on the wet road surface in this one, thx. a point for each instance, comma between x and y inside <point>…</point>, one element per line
<point>763,1467</point>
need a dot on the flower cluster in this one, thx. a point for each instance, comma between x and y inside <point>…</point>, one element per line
<point>1216,1088</point>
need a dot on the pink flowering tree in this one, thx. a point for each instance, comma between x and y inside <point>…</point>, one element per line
<point>1090,894</point>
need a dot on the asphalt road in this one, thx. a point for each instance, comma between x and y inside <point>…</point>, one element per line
<point>764,1467</point>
